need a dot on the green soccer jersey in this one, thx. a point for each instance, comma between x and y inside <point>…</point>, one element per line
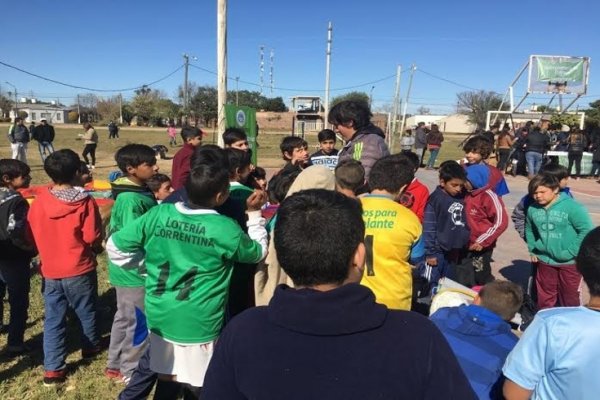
<point>239,192</point>
<point>132,202</point>
<point>189,256</point>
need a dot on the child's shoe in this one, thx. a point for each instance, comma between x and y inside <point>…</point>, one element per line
<point>53,378</point>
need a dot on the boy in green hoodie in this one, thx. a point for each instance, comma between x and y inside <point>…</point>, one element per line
<point>132,200</point>
<point>556,225</point>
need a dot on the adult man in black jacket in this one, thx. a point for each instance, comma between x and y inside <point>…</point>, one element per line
<point>536,144</point>
<point>44,135</point>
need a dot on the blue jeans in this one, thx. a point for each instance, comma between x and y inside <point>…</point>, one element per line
<point>79,293</point>
<point>44,147</point>
<point>433,153</point>
<point>534,162</point>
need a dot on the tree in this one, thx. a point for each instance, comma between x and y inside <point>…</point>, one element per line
<point>355,96</point>
<point>476,104</point>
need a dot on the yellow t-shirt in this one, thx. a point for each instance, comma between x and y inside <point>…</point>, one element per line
<point>392,236</point>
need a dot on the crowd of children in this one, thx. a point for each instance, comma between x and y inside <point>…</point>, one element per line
<point>189,253</point>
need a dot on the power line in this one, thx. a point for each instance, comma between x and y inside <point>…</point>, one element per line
<point>90,89</point>
<point>300,90</point>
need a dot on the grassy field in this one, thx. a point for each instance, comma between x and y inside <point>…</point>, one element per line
<point>21,378</point>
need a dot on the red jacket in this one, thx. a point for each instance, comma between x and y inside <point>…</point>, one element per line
<point>65,234</point>
<point>415,198</point>
<point>181,166</point>
<point>486,216</point>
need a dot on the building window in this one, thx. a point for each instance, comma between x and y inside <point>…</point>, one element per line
<point>58,116</point>
<point>33,116</point>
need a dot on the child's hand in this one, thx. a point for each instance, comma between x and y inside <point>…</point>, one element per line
<point>476,247</point>
<point>431,261</point>
<point>256,200</point>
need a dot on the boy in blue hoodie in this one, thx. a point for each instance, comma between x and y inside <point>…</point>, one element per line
<point>444,228</point>
<point>480,335</point>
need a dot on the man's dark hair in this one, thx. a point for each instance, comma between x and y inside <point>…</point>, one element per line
<point>326,134</point>
<point>238,160</point>
<point>502,297</point>
<point>209,154</point>
<point>190,132</point>
<point>480,145</point>
<point>450,169</point>
<point>547,180</point>
<point>588,261</point>
<point>204,183</point>
<point>391,173</point>
<point>300,248</point>
<point>348,111</point>
<point>289,143</point>
<point>280,184</point>
<point>232,135</point>
<point>134,155</point>
<point>12,169</point>
<point>156,181</point>
<point>350,174</point>
<point>560,172</point>
<point>412,157</point>
<point>62,166</point>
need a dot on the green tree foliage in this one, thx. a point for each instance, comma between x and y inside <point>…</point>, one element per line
<point>355,96</point>
<point>476,104</point>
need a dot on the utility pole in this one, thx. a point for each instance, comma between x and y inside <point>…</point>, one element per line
<point>327,70</point>
<point>78,111</point>
<point>221,67</point>
<point>396,106</point>
<point>121,108</point>
<point>413,68</point>
<point>237,91</point>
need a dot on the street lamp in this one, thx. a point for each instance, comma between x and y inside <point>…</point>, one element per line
<point>16,103</point>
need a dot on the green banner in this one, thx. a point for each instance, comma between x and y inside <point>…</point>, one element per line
<point>560,69</point>
<point>245,118</point>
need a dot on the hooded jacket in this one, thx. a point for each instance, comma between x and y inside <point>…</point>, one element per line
<point>481,341</point>
<point>367,146</point>
<point>554,233</point>
<point>337,344</point>
<point>485,211</point>
<point>269,273</point>
<point>16,241</point>
<point>67,228</point>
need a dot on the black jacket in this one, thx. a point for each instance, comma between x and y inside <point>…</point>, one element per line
<point>537,142</point>
<point>43,133</point>
<point>338,344</point>
<point>16,241</point>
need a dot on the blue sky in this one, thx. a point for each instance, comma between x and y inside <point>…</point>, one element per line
<point>120,44</point>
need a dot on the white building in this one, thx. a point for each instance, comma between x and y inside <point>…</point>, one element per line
<point>53,113</point>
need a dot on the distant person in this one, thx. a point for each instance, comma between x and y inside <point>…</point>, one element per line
<point>557,356</point>
<point>172,133</point>
<point>349,177</point>
<point>355,348</point>
<point>44,135</point>
<point>480,335</point>
<point>192,138</point>
<point>90,140</point>
<point>421,142</point>
<point>67,229</point>
<point>327,154</point>
<point>18,136</point>
<point>16,250</point>
<point>365,142</point>
<point>235,138</point>
<point>113,130</point>
<point>434,144</point>
<point>577,145</point>
<point>536,145</point>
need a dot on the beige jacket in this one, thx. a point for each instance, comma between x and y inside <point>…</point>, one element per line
<point>269,273</point>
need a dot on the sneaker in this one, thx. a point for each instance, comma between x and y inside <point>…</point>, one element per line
<point>53,378</point>
<point>112,373</point>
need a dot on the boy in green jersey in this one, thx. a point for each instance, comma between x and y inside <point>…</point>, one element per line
<point>189,252</point>
<point>132,200</point>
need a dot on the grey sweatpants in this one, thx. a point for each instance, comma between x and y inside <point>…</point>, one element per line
<point>123,355</point>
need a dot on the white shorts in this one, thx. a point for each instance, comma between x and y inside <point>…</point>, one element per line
<point>188,362</point>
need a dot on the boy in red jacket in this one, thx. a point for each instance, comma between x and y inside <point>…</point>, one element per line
<point>487,219</point>
<point>67,230</point>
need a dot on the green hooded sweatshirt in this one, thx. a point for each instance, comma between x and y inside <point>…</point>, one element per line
<point>554,233</point>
